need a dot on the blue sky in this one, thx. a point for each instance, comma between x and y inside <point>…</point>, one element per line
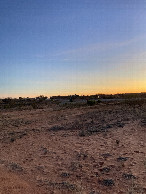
<point>72,46</point>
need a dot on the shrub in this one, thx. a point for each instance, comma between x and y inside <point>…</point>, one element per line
<point>91,102</point>
<point>34,105</point>
<point>71,99</point>
<point>7,100</point>
<point>133,102</point>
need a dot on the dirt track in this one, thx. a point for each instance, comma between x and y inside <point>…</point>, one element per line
<point>99,149</point>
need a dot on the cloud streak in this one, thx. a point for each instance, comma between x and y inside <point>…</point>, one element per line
<point>100,47</point>
<point>92,49</point>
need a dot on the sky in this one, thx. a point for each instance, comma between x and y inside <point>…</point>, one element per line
<point>63,47</point>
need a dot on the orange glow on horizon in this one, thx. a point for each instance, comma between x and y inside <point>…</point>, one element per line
<point>110,87</point>
<point>73,92</point>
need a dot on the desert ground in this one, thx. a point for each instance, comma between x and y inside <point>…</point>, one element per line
<point>98,149</point>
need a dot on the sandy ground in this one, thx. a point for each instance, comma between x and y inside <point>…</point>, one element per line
<point>99,149</point>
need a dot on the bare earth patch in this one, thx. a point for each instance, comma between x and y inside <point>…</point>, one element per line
<point>99,149</point>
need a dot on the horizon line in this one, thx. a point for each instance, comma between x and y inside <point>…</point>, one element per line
<point>74,95</point>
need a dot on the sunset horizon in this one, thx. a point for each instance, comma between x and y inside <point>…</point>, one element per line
<point>72,96</point>
<point>69,94</point>
<point>65,47</point>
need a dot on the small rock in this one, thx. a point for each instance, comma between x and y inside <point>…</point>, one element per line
<point>107,182</point>
<point>45,151</point>
<point>128,176</point>
<point>57,128</point>
<point>65,174</point>
<point>105,170</point>
<point>108,126</point>
<point>117,142</point>
<point>12,140</point>
<point>122,158</point>
<point>94,192</point>
<point>106,155</point>
<point>82,155</point>
<point>101,163</point>
<point>82,133</point>
<point>119,124</point>
<point>96,174</point>
<point>15,167</point>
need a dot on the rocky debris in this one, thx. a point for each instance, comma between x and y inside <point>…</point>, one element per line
<point>56,128</point>
<point>2,161</point>
<point>108,126</point>
<point>13,136</point>
<point>96,174</point>
<point>15,122</point>
<point>107,182</point>
<point>59,185</point>
<point>12,140</point>
<point>14,167</point>
<point>120,124</point>
<point>67,185</point>
<point>122,159</point>
<point>82,133</point>
<point>94,122</point>
<point>74,166</point>
<point>92,130</point>
<point>74,160</point>
<point>44,150</point>
<point>101,163</point>
<point>76,125</point>
<point>143,122</point>
<point>106,155</point>
<point>94,192</point>
<point>128,176</point>
<point>65,174</point>
<point>40,168</point>
<point>117,142</point>
<point>82,155</point>
<point>105,170</point>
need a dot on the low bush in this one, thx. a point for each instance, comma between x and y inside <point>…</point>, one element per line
<point>91,102</point>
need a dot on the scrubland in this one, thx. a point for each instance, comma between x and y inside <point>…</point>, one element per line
<point>73,148</point>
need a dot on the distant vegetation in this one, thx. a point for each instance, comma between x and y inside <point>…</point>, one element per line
<point>72,101</point>
<point>23,102</point>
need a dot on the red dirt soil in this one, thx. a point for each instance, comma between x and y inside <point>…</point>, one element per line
<point>99,149</point>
